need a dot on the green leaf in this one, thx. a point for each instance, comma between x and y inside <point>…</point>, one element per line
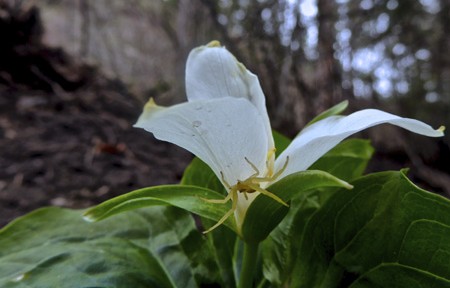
<point>190,198</point>
<point>335,110</point>
<point>264,214</point>
<point>181,247</point>
<point>346,161</point>
<point>198,173</point>
<point>358,230</point>
<point>281,142</point>
<point>280,247</point>
<point>151,247</point>
<point>429,243</point>
<point>224,240</point>
<point>399,276</point>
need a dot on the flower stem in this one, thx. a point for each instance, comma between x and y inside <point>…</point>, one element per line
<point>248,265</point>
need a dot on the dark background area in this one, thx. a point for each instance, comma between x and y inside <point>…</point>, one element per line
<point>74,76</point>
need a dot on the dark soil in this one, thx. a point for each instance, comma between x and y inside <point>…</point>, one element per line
<point>76,149</point>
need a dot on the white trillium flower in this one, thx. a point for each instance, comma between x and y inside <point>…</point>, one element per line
<point>225,124</point>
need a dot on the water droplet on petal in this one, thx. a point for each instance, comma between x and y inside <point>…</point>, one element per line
<point>196,124</point>
<point>19,278</point>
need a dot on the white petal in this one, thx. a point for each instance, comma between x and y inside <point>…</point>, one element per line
<point>212,72</point>
<point>320,137</point>
<point>221,132</point>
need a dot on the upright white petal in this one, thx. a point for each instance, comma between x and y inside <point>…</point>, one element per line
<point>317,139</point>
<point>221,132</point>
<point>213,72</point>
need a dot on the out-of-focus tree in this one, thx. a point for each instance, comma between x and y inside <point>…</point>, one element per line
<point>289,44</point>
<point>398,50</point>
<point>309,54</point>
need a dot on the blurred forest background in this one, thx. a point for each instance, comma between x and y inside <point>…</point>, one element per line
<point>74,75</point>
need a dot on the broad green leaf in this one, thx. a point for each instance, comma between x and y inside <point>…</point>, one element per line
<point>199,174</point>
<point>399,276</point>
<point>190,198</point>
<point>264,214</point>
<point>358,230</point>
<point>224,241</point>
<point>181,247</point>
<point>335,110</point>
<point>429,243</point>
<point>281,142</point>
<point>151,247</point>
<point>394,208</point>
<point>280,247</point>
<point>346,161</point>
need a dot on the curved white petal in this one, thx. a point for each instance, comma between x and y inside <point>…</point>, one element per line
<point>213,72</point>
<point>221,132</point>
<point>317,139</point>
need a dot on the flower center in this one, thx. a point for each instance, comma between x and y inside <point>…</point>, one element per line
<point>253,183</point>
<point>250,185</point>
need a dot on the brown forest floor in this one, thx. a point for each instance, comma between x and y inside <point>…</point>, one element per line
<point>76,149</point>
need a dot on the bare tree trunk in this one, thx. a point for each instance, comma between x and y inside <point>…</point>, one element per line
<point>443,57</point>
<point>328,77</point>
<point>85,28</point>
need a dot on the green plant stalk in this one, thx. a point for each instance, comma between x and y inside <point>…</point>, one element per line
<point>248,265</point>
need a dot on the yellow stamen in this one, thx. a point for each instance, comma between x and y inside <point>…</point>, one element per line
<point>270,161</point>
<point>249,185</point>
<point>214,43</point>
